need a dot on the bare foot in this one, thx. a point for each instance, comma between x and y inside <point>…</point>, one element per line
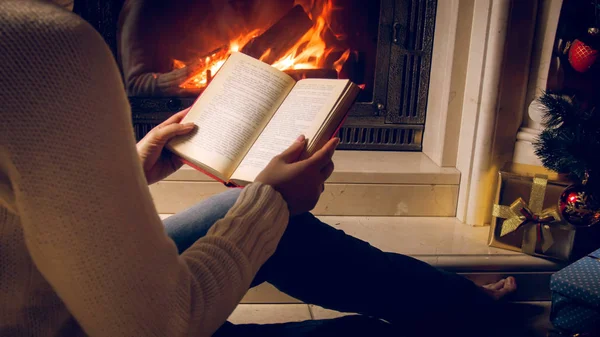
<point>501,288</point>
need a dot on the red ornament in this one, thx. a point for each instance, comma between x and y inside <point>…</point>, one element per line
<point>582,56</point>
<point>579,206</point>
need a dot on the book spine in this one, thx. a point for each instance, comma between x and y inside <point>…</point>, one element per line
<point>339,127</point>
<point>345,117</point>
<point>227,184</point>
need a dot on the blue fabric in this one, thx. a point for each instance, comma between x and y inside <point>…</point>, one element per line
<point>321,265</point>
<point>187,227</point>
<point>576,295</point>
<point>570,316</point>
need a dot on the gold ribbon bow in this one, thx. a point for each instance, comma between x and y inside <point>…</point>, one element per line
<point>520,214</point>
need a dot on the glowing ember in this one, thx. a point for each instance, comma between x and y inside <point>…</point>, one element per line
<point>309,52</point>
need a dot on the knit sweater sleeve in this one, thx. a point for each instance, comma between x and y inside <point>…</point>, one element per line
<point>68,153</point>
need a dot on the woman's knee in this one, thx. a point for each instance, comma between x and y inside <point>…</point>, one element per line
<point>214,207</point>
<point>193,223</point>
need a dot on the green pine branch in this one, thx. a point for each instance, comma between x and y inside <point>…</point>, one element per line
<point>570,142</point>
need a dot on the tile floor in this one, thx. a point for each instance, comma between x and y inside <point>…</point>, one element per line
<point>280,313</point>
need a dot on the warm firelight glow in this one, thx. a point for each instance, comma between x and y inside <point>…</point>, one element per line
<point>309,52</point>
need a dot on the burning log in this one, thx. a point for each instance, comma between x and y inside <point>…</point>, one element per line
<point>200,69</point>
<point>282,36</point>
<point>299,74</point>
<point>205,60</point>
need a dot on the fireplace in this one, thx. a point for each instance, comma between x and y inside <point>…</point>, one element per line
<point>385,46</point>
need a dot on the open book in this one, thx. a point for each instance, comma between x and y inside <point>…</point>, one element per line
<point>251,112</point>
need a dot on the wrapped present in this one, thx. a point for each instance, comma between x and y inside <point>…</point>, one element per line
<point>576,297</point>
<point>525,216</point>
<point>526,219</point>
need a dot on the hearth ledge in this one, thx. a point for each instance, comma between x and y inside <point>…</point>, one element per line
<point>370,167</point>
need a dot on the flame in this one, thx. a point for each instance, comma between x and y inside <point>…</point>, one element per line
<point>178,64</point>
<point>309,52</point>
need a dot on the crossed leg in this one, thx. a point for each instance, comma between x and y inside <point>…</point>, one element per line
<point>324,266</point>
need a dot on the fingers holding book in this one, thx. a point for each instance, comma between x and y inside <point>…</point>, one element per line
<point>300,181</point>
<point>159,164</point>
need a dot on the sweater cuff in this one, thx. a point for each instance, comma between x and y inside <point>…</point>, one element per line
<point>255,223</point>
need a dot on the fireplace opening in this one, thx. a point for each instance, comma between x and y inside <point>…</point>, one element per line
<point>190,41</point>
<point>169,50</point>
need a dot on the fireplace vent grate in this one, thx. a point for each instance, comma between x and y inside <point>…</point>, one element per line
<point>392,137</point>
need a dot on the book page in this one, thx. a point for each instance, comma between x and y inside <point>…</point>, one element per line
<point>303,112</point>
<point>232,111</point>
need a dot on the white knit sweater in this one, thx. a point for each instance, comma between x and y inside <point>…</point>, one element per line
<point>82,249</point>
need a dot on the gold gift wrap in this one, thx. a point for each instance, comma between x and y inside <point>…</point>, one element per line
<point>526,218</point>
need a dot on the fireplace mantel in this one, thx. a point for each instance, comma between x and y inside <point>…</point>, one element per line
<point>485,73</point>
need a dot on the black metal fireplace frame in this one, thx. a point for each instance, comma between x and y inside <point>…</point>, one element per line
<point>393,120</point>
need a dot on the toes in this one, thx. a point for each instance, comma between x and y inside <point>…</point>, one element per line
<point>496,286</point>
<point>498,294</point>
<point>510,284</point>
<point>501,288</point>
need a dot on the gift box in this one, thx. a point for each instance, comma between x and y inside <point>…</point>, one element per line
<point>526,219</point>
<point>576,297</point>
<point>525,216</point>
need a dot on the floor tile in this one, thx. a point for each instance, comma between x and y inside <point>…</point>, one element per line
<point>269,313</point>
<point>267,293</point>
<point>322,313</point>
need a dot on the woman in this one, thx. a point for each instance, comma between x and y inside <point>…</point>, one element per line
<point>83,252</point>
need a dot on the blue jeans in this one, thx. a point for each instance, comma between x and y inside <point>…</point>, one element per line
<point>324,266</point>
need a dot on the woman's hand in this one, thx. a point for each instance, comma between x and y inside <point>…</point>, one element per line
<point>157,162</point>
<point>300,182</point>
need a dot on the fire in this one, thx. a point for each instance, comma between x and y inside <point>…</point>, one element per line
<point>204,69</point>
<point>309,52</point>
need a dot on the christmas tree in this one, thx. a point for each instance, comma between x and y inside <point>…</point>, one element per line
<point>570,143</point>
